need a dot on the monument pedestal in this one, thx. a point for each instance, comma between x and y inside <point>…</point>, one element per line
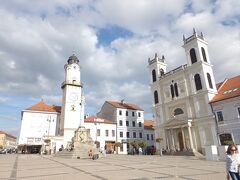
<point>81,147</point>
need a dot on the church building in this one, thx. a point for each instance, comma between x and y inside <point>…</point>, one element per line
<point>180,99</point>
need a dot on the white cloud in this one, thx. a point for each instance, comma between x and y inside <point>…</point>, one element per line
<point>36,40</point>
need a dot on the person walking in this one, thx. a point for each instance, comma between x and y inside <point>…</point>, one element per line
<point>232,162</point>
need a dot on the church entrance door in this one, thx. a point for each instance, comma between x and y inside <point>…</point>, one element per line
<point>180,140</point>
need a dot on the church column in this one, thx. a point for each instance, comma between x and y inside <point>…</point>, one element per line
<point>183,136</point>
<point>166,137</point>
<point>190,135</point>
<point>172,147</point>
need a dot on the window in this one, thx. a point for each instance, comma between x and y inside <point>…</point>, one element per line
<point>133,124</point>
<point>176,89</point>
<point>140,135</point>
<point>225,139</point>
<point>161,72</point>
<point>172,90</point>
<point>178,111</point>
<point>219,116</point>
<point>98,132</point>
<point>147,136</point>
<point>209,81</point>
<point>113,133</point>
<point>193,55</point>
<point>139,114</point>
<point>127,123</point>
<point>134,135</point>
<point>133,114</point>
<point>140,124</point>
<point>151,136</point>
<point>126,113</point>
<point>198,82</point>
<point>154,78</point>
<point>155,97</point>
<point>120,112</point>
<point>106,133</point>
<point>128,135</point>
<point>121,134</point>
<point>120,123</point>
<point>204,54</point>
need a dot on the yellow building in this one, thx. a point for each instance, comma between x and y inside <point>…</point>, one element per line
<point>7,141</point>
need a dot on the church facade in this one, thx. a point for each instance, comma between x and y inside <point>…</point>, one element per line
<point>180,99</point>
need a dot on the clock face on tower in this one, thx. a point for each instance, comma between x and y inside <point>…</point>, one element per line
<point>73,97</point>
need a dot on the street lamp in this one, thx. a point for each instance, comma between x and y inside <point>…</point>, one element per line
<point>49,119</point>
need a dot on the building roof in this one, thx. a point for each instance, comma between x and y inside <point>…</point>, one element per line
<point>41,106</point>
<point>229,88</point>
<point>94,119</point>
<point>2,132</point>
<point>124,105</point>
<point>148,124</point>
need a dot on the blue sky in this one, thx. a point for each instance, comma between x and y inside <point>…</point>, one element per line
<point>113,41</point>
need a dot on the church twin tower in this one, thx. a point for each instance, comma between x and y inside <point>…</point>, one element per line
<point>180,98</point>
<point>72,113</point>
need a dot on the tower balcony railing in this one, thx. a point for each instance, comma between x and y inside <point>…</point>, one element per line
<point>182,67</point>
<point>73,83</point>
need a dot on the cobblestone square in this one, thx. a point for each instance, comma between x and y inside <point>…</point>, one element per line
<point>115,167</point>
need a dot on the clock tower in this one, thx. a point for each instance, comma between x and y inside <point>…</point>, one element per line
<point>72,113</point>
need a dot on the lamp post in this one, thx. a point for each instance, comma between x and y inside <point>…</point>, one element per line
<point>49,119</point>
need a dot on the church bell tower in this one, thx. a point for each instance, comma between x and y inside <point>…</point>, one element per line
<point>72,113</point>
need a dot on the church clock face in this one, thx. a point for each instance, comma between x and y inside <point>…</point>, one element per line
<point>73,97</point>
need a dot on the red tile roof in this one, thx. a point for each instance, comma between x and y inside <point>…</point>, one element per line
<point>2,132</point>
<point>229,88</point>
<point>124,105</point>
<point>148,124</point>
<point>93,119</point>
<point>41,106</point>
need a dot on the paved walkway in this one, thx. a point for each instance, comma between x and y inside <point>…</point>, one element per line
<point>112,167</point>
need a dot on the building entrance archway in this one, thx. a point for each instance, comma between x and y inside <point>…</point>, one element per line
<point>180,140</point>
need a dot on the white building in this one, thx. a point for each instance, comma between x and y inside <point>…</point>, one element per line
<point>102,132</point>
<point>129,119</point>
<point>226,106</point>
<point>180,99</point>
<point>149,134</point>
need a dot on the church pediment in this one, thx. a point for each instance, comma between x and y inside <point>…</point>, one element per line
<point>176,122</point>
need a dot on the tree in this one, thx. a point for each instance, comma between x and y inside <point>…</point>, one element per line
<point>117,144</point>
<point>142,144</point>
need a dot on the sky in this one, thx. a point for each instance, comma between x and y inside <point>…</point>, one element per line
<point>112,39</point>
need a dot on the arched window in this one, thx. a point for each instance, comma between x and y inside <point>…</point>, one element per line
<point>172,90</point>
<point>198,82</point>
<point>176,89</point>
<point>226,139</point>
<point>209,81</point>
<point>155,97</point>
<point>154,78</point>
<point>161,72</point>
<point>178,111</point>
<point>193,55</point>
<point>204,54</point>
